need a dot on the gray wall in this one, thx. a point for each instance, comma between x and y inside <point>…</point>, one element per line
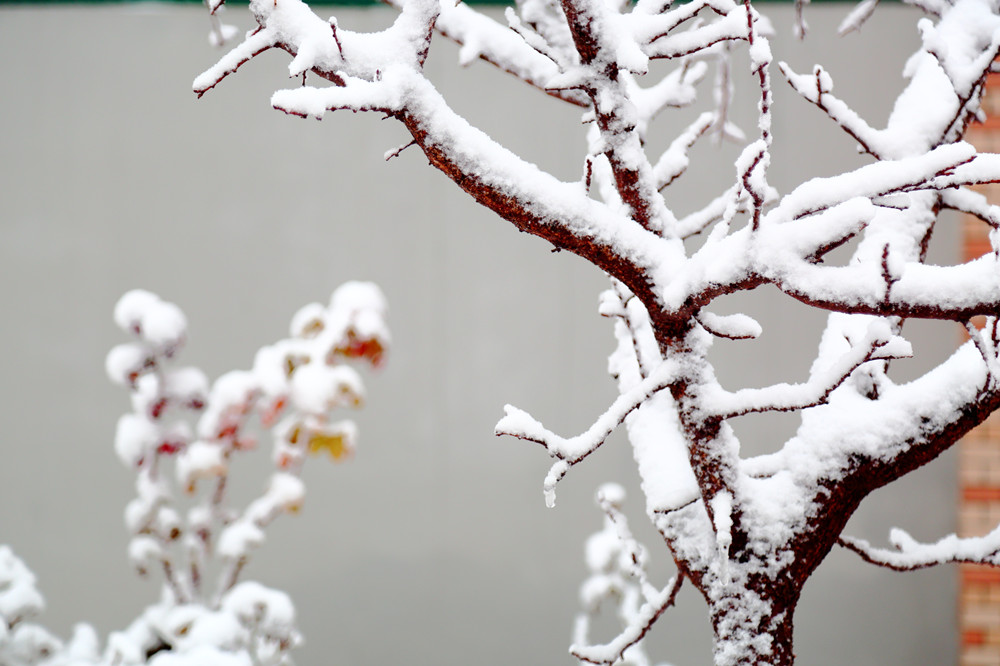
<point>432,546</point>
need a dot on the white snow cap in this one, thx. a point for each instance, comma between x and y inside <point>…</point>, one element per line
<point>317,387</point>
<point>135,438</point>
<point>125,362</point>
<point>155,321</point>
<point>270,610</point>
<point>308,321</point>
<point>354,295</point>
<point>18,597</point>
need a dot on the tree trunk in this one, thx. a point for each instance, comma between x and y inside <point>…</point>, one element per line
<point>752,629</point>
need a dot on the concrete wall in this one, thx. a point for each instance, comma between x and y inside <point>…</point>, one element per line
<point>432,546</point>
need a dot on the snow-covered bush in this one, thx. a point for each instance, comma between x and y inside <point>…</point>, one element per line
<point>746,532</point>
<point>181,438</point>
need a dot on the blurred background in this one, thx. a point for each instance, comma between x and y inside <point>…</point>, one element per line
<point>433,544</point>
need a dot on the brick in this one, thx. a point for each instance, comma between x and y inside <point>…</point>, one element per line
<point>980,616</point>
<point>982,576</point>
<point>981,493</point>
<point>973,637</point>
<point>980,656</point>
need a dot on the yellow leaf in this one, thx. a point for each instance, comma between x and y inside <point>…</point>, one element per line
<point>335,443</point>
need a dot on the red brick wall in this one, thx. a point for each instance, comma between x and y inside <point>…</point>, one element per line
<point>979,456</point>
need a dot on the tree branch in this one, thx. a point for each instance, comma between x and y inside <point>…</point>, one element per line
<point>879,344</point>
<point>255,44</point>
<point>910,555</point>
<point>972,203</point>
<point>649,613</point>
<point>817,89</point>
<point>568,452</point>
<point>483,38</point>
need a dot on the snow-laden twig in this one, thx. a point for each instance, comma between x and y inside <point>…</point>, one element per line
<point>666,44</point>
<point>530,36</point>
<point>972,203</point>
<point>760,62</point>
<point>733,198</point>
<point>354,95</point>
<point>674,91</point>
<point>936,169</point>
<point>985,340</point>
<point>732,327</point>
<point>568,452</point>
<point>484,38</point>
<point>674,160</point>
<point>879,344</point>
<point>857,17</point>
<point>518,423</point>
<point>909,554</point>
<point>645,618</point>
<point>649,25</point>
<point>817,88</point>
<point>620,303</point>
<point>255,44</point>
<point>618,575</point>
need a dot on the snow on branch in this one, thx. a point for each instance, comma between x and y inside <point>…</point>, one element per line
<point>327,50</point>
<point>946,78</point>
<point>662,42</point>
<point>617,574</point>
<point>879,344</point>
<point>674,160</point>
<point>987,342</point>
<point>857,17</point>
<point>568,452</point>
<point>723,207</point>
<point>675,90</point>
<point>480,37</point>
<point>882,178</point>
<point>935,8</point>
<point>634,333</point>
<point>957,293</point>
<point>255,44</point>
<point>972,203</point>
<point>963,64</point>
<point>779,253</point>
<point>817,88</point>
<point>909,554</point>
<point>732,327</point>
<point>354,95</point>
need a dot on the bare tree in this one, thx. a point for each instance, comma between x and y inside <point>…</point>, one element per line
<point>745,532</point>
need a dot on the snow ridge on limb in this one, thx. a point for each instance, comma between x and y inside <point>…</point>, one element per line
<point>256,43</point>
<point>909,554</point>
<point>972,203</point>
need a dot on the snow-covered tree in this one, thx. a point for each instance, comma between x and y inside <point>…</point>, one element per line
<point>182,439</point>
<point>746,532</point>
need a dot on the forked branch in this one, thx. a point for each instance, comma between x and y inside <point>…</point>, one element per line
<point>649,613</point>
<point>618,574</point>
<point>568,452</point>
